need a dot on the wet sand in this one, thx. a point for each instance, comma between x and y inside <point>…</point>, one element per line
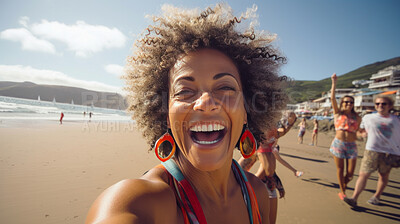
<point>51,173</point>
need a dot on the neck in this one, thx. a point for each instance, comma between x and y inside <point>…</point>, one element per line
<point>347,112</point>
<point>210,186</point>
<point>383,113</point>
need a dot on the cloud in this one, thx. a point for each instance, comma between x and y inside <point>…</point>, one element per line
<point>82,38</point>
<point>28,40</point>
<point>20,73</point>
<point>24,21</point>
<point>114,69</point>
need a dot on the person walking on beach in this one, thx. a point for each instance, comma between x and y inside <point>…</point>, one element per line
<point>61,117</point>
<point>302,130</point>
<point>382,151</point>
<point>268,153</point>
<point>343,147</point>
<point>314,137</point>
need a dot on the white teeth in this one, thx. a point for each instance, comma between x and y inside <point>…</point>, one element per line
<point>207,142</point>
<point>207,128</point>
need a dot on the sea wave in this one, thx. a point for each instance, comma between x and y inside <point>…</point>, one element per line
<point>12,108</point>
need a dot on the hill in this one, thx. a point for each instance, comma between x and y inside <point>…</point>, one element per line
<point>300,91</point>
<point>62,94</point>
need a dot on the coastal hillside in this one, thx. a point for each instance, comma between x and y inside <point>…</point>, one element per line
<point>62,94</point>
<point>300,91</point>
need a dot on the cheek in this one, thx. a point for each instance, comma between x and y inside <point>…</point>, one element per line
<point>177,114</point>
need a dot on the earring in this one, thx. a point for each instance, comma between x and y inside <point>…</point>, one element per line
<point>166,151</point>
<point>247,143</point>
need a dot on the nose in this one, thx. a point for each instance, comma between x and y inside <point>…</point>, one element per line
<point>206,103</point>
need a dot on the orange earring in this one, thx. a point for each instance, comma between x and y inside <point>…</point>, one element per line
<point>247,143</point>
<point>165,152</point>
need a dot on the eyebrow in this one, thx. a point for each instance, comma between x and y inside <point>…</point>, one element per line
<point>217,76</point>
<point>220,75</point>
<point>188,78</point>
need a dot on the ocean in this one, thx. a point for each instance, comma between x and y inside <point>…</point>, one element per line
<point>25,109</point>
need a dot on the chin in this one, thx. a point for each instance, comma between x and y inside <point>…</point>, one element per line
<point>206,161</point>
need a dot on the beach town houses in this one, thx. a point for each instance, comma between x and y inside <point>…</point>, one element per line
<point>386,79</point>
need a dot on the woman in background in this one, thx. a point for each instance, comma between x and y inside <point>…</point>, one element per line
<point>302,130</point>
<point>268,153</point>
<point>343,147</point>
<point>314,137</point>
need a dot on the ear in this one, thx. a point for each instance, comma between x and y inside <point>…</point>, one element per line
<point>245,118</point>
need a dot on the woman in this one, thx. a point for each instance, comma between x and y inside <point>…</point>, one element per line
<point>199,85</point>
<point>314,136</point>
<point>268,153</point>
<point>302,130</point>
<point>343,147</point>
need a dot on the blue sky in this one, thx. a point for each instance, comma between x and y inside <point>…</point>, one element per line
<point>85,43</point>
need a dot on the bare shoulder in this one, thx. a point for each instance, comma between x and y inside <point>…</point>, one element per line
<point>148,199</point>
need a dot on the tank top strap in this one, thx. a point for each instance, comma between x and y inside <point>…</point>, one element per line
<point>248,193</point>
<point>186,194</point>
<point>187,199</point>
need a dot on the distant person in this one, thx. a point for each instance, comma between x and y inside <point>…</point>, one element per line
<point>343,147</point>
<point>302,130</point>
<point>382,151</point>
<point>90,115</point>
<point>314,137</point>
<point>84,113</point>
<point>61,117</point>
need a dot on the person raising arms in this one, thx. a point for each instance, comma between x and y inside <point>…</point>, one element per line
<point>343,147</point>
<point>268,154</point>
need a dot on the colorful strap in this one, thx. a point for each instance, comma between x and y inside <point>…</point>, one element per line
<point>248,193</point>
<point>186,193</point>
<point>189,204</point>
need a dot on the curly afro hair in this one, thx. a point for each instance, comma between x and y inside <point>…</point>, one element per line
<point>178,32</point>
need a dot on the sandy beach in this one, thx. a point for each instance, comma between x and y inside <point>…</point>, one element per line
<point>51,173</point>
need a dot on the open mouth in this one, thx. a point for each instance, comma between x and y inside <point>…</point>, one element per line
<point>207,134</point>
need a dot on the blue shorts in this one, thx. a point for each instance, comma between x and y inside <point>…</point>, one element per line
<point>301,132</point>
<point>344,150</point>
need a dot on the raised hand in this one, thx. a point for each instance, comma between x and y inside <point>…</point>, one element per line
<point>334,78</point>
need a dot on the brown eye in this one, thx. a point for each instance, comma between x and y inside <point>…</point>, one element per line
<point>184,94</point>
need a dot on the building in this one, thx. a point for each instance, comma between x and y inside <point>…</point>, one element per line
<point>292,107</point>
<point>386,79</point>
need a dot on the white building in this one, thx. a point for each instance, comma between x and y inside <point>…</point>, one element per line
<point>292,107</point>
<point>386,79</point>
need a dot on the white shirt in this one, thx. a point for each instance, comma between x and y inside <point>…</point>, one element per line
<point>383,133</point>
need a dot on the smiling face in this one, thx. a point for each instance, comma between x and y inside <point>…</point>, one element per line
<point>347,104</point>
<point>206,108</point>
<point>382,106</point>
